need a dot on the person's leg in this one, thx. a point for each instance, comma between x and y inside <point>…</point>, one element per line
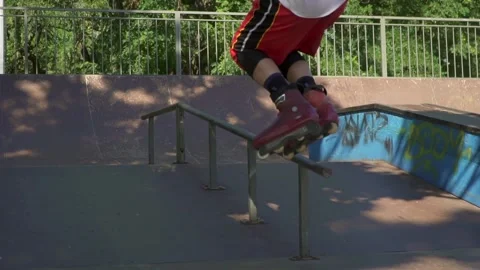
<point>264,71</point>
<point>266,37</point>
<point>258,47</point>
<point>297,70</point>
<point>253,47</point>
<point>296,120</point>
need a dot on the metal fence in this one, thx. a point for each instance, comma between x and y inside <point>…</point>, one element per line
<point>86,41</point>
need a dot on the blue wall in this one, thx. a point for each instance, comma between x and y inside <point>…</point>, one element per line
<point>444,156</point>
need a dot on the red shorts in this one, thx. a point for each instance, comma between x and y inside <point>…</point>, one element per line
<point>276,31</point>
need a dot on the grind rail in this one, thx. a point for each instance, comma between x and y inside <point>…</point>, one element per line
<point>303,163</point>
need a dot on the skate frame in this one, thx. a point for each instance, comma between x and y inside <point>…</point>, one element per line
<point>304,164</point>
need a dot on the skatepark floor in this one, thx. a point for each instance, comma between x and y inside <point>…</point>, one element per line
<point>368,215</point>
<point>462,259</point>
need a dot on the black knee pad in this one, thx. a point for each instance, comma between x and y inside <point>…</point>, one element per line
<point>249,59</point>
<point>291,59</point>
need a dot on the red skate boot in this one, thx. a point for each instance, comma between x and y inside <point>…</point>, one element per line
<point>317,96</point>
<point>296,120</point>
<point>328,119</point>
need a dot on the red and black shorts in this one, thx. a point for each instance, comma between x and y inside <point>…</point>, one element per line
<point>277,32</point>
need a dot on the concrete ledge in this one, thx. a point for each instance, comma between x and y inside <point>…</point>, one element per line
<point>462,120</point>
<point>439,146</point>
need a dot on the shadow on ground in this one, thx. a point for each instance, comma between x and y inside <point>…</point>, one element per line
<point>70,120</point>
<point>113,215</point>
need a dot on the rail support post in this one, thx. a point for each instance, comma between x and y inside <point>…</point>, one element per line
<point>303,216</point>
<point>151,140</point>
<point>383,46</point>
<point>253,218</point>
<point>212,157</point>
<point>180,132</point>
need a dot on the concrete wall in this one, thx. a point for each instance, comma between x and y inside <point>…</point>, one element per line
<point>65,120</point>
<point>444,156</point>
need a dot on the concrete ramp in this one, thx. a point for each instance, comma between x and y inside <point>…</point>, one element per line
<point>73,120</point>
<point>98,116</point>
<point>102,217</point>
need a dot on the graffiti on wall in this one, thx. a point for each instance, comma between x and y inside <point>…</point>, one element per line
<point>366,126</point>
<point>428,144</point>
<point>444,156</point>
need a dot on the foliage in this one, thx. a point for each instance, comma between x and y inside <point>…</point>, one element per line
<point>111,39</point>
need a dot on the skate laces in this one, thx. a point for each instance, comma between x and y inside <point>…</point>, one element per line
<point>317,87</point>
<point>320,88</point>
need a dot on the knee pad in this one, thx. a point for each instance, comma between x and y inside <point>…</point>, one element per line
<point>291,59</point>
<point>249,59</point>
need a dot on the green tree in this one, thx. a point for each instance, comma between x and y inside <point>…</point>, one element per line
<point>116,42</point>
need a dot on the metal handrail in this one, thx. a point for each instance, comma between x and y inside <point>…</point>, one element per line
<point>302,162</point>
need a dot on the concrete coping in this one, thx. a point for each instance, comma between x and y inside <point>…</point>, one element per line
<point>427,112</point>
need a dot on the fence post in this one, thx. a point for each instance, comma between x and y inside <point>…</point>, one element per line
<point>178,43</point>
<point>180,132</point>
<point>253,218</point>
<point>383,45</point>
<point>303,218</point>
<point>212,157</point>
<point>2,38</point>
<point>25,40</point>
